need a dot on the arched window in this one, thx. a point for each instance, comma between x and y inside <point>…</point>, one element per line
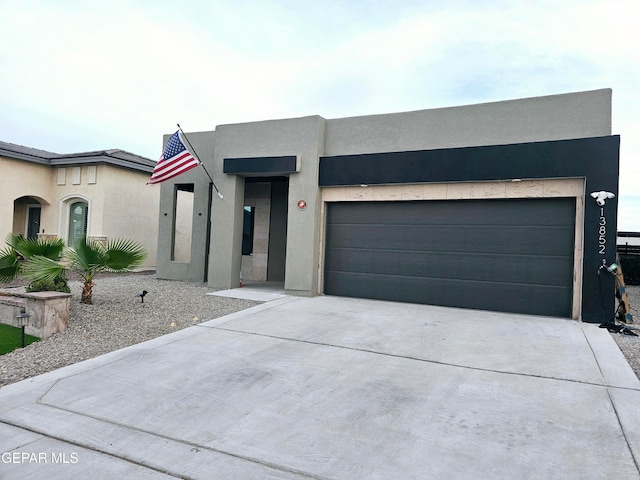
<point>78,215</point>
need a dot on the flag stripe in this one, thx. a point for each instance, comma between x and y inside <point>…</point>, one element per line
<point>173,166</point>
<point>175,160</point>
<point>171,175</point>
<point>170,165</point>
<point>171,172</point>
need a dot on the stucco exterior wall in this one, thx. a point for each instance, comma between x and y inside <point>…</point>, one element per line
<point>121,205</point>
<point>132,211</point>
<point>19,179</point>
<point>193,270</point>
<point>302,137</point>
<point>553,117</point>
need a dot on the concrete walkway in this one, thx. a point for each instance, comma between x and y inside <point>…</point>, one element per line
<point>336,388</point>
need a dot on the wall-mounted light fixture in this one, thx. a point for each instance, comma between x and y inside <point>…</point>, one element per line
<point>602,196</point>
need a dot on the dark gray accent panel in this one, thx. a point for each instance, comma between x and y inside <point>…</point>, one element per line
<point>595,159</point>
<point>511,255</point>
<point>260,166</point>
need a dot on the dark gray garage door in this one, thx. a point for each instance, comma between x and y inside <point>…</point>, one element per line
<point>511,255</point>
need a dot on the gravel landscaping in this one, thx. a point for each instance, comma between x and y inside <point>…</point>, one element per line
<point>118,319</point>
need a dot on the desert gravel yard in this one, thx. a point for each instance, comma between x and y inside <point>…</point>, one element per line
<point>118,319</point>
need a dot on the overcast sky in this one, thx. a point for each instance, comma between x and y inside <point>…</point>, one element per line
<point>82,75</point>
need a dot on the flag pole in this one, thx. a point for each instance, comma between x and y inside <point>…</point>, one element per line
<point>202,164</point>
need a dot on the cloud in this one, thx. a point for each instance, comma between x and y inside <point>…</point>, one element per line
<point>119,74</point>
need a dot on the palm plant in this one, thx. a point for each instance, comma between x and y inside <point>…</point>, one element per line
<point>88,258</point>
<point>20,250</point>
<point>9,264</point>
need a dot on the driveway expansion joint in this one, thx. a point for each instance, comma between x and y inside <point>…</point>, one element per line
<point>425,360</point>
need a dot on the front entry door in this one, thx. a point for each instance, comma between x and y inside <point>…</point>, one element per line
<point>33,223</point>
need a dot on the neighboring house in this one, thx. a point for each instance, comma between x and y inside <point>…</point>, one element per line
<point>483,206</point>
<point>100,194</point>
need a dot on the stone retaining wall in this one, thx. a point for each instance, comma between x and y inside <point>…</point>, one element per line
<point>49,311</point>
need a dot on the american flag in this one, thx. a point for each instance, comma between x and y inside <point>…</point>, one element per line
<point>175,159</point>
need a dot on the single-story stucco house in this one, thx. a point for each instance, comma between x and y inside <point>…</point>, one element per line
<point>484,206</point>
<point>101,194</point>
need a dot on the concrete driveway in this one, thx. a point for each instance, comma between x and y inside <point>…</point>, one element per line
<point>336,388</point>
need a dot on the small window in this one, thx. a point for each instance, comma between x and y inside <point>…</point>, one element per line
<point>247,230</point>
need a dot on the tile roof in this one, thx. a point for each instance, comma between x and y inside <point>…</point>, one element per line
<point>12,147</point>
<point>116,157</point>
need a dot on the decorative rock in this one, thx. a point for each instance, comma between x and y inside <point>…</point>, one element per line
<point>116,320</point>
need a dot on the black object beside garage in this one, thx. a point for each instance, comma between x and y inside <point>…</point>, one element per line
<point>509,255</point>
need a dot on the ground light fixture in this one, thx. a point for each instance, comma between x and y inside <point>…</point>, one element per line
<point>22,319</point>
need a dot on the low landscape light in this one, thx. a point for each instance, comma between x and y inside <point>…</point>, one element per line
<point>22,319</point>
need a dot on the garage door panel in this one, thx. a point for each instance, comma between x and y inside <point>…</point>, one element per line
<point>538,240</point>
<point>449,213</point>
<point>538,300</point>
<point>505,255</point>
<point>525,269</point>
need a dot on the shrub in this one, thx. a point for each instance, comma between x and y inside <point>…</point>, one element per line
<point>58,285</point>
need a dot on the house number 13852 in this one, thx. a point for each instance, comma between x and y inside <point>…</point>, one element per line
<point>602,231</point>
